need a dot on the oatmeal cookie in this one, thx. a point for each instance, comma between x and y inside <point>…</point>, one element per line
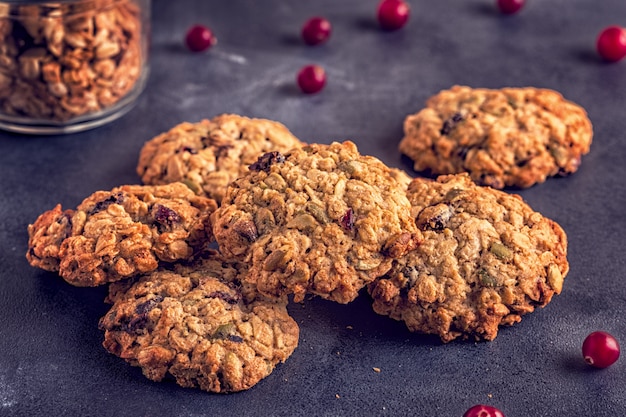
<point>512,137</point>
<point>322,219</point>
<point>487,259</point>
<point>208,155</point>
<point>197,327</point>
<point>116,234</point>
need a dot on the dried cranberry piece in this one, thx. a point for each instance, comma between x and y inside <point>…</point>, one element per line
<point>462,152</point>
<point>222,150</point>
<point>246,229</point>
<point>434,218</point>
<point>104,204</point>
<point>187,149</point>
<point>235,338</point>
<point>147,306</point>
<point>451,123</point>
<point>65,220</point>
<point>490,180</point>
<point>224,296</point>
<point>266,160</point>
<point>347,220</point>
<point>437,223</point>
<point>166,216</point>
<point>139,321</point>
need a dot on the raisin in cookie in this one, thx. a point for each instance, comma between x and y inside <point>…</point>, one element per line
<point>196,326</point>
<point>321,219</point>
<point>487,258</point>
<point>120,233</point>
<point>210,154</point>
<point>512,137</point>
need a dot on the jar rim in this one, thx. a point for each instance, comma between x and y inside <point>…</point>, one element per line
<point>52,8</point>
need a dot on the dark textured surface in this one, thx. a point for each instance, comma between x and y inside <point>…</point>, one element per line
<point>51,359</point>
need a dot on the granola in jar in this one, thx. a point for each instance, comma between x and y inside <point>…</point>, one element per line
<point>70,65</point>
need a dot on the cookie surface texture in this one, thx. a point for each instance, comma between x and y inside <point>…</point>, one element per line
<point>195,326</point>
<point>511,137</point>
<point>120,233</point>
<point>322,219</point>
<point>487,259</point>
<point>208,155</point>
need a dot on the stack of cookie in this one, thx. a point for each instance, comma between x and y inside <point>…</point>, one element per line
<point>447,256</point>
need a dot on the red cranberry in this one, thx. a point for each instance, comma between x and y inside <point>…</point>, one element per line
<point>316,30</point>
<point>482,410</point>
<point>311,79</point>
<point>510,6</point>
<point>600,349</point>
<point>393,14</point>
<point>611,43</point>
<point>199,38</point>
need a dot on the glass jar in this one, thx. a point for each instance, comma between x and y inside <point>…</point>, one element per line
<point>70,65</point>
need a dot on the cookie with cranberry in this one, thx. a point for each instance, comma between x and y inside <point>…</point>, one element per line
<point>208,155</point>
<point>511,137</point>
<point>321,219</point>
<point>120,233</point>
<point>486,260</point>
<point>197,327</point>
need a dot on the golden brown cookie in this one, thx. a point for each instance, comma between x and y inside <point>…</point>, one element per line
<point>120,233</point>
<point>322,219</point>
<point>512,137</point>
<point>196,326</point>
<point>487,259</point>
<point>208,155</point>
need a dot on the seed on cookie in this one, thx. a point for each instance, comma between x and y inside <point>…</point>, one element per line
<point>121,233</point>
<point>321,219</point>
<point>487,258</point>
<point>511,137</point>
<point>208,155</point>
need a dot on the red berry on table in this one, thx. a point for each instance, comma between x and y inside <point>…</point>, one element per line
<point>600,349</point>
<point>393,14</point>
<point>316,30</point>
<point>482,410</point>
<point>199,38</point>
<point>510,6</point>
<point>311,79</point>
<point>611,43</point>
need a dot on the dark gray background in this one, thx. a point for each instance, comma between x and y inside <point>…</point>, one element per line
<point>51,359</point>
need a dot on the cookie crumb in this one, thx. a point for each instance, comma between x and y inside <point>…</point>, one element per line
<point>377,370</point>
<point>337,396</point>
